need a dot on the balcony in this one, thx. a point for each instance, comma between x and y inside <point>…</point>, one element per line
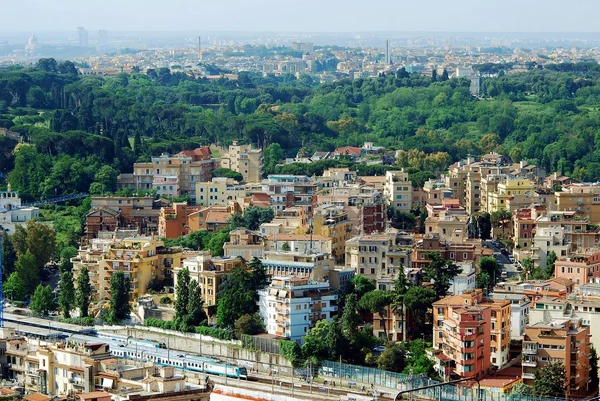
<point>528,376</point>
<point>531,364</point>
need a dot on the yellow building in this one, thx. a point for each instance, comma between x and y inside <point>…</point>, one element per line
<point>581,198</point>
<point>506,189</point>
<point>142,259</point>
<point>208,271</point>
<point>398,190</point>
<point>244,160</point>
<point>332,222</point>
<point>219,192</point>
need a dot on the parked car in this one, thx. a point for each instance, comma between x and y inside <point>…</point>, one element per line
<point>379,348</point>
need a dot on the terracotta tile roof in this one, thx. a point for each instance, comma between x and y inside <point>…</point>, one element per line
<point>350,150</point>
<point>92,395</point>
<point>36,397</point>
<point>214,216</point>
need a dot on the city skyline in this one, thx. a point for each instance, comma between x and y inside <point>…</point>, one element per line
<point>307,16</point>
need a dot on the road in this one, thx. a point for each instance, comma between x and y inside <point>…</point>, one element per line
<point>510,268</point>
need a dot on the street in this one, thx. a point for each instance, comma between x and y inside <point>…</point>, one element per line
<point>507,265</point>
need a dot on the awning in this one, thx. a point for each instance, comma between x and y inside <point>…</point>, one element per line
<point>107,383</point>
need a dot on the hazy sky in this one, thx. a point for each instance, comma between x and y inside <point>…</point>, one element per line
<point>303,15</point>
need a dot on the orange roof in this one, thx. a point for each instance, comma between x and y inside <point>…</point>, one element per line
<point>93,394</point>
<point>200,153</point>
<point>296,237</point>
<point>36,397</point>
<point>351,150</point>
<point>214,216</point>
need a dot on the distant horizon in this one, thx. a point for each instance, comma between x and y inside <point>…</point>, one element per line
<point>316,16</point>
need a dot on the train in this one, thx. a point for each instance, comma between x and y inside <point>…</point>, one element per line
<point>144,350</point>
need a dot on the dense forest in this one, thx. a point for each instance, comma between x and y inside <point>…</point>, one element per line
<point>82,131</point>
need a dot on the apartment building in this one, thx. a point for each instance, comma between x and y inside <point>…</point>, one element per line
<point>333,222</point>
<point>174,175</point>
<point>435,191</point>
<point>563,340</point>
<point>220,191</point>
<point>451,223</point>
<point>245,160</point>
<point>209,272</point>
<point>290,306</point>
<point>583,198</point>
<point>524,223</point>
<point>462,335</point>
<point>519,309</point>
<point>457,252</point>
<point>336,177</point>
<point>142,259</point>
<point>315,266</point>
<point>59,369</point>
<point>291,220</point>
<point>287,191</point>
<point>302,243</point>
<point>581,268</point>
<point>12,213</point>
<point>398,191</point>
<point>173,220</point>
<point>377,256</point>
<point>548,238</point>
<point>244,243</point>
<point>506,189</point>
<point>211,218</point>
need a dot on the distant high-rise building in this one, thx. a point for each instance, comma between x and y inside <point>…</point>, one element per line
<point>304,47</point>
<point>387,52</point>
<point>102,38</point>
<point>200,48</point>
<point>82,36</point>
<point>475,84</point>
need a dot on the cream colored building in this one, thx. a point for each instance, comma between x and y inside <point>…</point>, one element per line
<point>245,160</point>
<point>398,190</point>
<point>497,200</point>
<point>219,192</point>
<point>209,272</point>
<point>142,259</point>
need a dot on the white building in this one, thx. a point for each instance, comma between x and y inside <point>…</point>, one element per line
<point>466,280</point>
<point>398,190</point>
<point>519,309</point>
<point>548,239</point>
<point>290,306</point>
<point>11,212</point>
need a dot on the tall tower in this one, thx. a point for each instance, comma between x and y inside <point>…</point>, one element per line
<point>387,52</point>
<point>200,48</point>
<point>82,36</point>
<point>102,38</point>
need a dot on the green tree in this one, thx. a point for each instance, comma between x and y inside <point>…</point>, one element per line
<point>418,301</point>
<point>14,288</point>
<point>107,178</point>
<point>492,269</point>
<point>28,271</point>
<point>350,320</point>
<point>483,224</point>
<point>182,296</point>
<point>42,301</point>
<point>315,341</point>
<point>550,262</point>
<point>83,292</point>
<point>237,297</point>
<point>19,240</point>
<point>195,306</point>
<point>393,359</point>
<point>528,268</point>
<point>260,278</point>
<point>377,301</point>
<point>119,308</point>
<point>249,324</point>
<point>522,389</point>
<point>500,218</point>
<point>255,216</point>
<point>66,294</point>
<point>271,157</point>
<point>594,381</point>
<point>401,286</point>
<point>9,256</point>
<point>41,241</point>
<point>483,280</point>
<point>360,285</point>
<point>441,272</point>
<point>417,360</point>
<point>550,380</point>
